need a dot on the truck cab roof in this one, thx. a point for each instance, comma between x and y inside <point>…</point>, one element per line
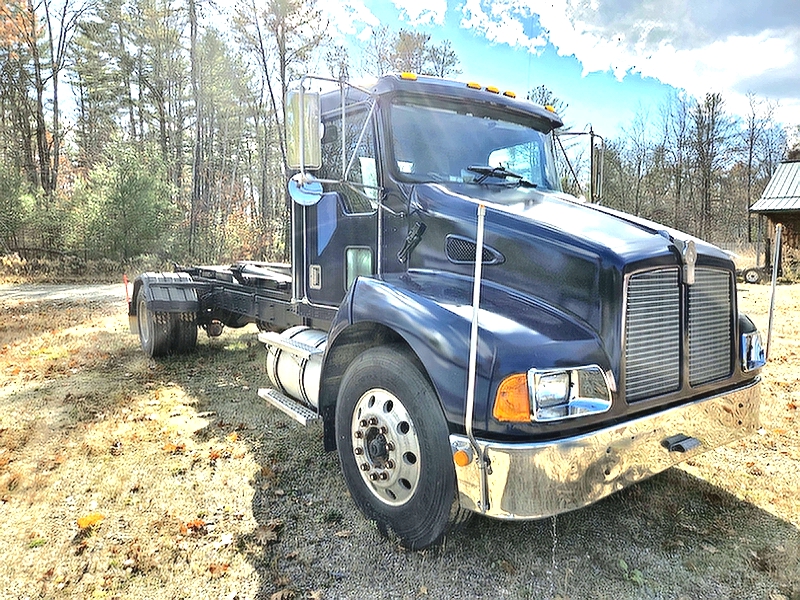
<point>425,85</point>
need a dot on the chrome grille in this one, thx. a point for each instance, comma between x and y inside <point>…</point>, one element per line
<point>710,326</point>
<point>652,334</point>
<point>653,326</point>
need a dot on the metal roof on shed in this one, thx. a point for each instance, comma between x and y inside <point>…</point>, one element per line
<point>783,190</point>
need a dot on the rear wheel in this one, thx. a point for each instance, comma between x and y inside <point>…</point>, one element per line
<point>154,328</point>
<point>752,276</point>
<point>394,448</point>
<point>184,332</point>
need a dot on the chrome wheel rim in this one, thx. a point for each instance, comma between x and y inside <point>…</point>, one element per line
<point>386,447</point>
<point>144,322</point>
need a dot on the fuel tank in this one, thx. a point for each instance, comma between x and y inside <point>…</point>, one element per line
<point>297,374</point>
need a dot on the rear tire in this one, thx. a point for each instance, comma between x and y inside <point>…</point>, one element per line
<point>184,333</point>
<point>394,448</point>
<point>154,328</point>
<point>752,275</point>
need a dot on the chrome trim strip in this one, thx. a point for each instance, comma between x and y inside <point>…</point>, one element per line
<point>536,480</point>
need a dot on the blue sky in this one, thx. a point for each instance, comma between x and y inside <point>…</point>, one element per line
<point>607,59</point>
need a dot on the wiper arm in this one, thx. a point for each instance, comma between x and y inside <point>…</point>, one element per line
<point>485,171</point>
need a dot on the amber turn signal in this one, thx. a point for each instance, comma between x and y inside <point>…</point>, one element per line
<point>512,400</point>
<point>462,458</point>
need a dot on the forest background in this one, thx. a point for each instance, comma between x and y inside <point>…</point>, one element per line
<point>132,133</point>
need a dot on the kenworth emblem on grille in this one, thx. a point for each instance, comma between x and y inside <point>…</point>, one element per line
<point>689,258</point>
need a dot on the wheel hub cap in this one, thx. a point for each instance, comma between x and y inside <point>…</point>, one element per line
<point>386,447</point>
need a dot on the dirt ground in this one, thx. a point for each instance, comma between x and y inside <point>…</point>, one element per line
<point>122,477</point>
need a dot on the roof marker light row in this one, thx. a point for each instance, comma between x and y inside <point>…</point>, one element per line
<point>471,85</point>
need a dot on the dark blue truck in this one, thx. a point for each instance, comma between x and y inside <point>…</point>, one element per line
<point>473,339</point>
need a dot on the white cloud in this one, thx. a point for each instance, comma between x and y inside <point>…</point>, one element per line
<point>422,12</point>
<point>349,17</point>
<point>728,46</point>
<point>505,23</point>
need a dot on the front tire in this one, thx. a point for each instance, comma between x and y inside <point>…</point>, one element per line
<point>394,448</point>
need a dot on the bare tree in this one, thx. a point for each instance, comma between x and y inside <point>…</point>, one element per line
<point>282,34</point>
<point>409,51</point>
<point>338,62</point>
<point>676,140</point>
<point>545,97</point>
<point>54,24</point>
<point>712,129</point>
<point>443,60</point>
<point>637,154</point>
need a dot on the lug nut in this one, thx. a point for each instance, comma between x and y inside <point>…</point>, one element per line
<point>358,450</point>
<point>384,476</point>
<point>373,421</point>
<point>390,464</point>
<point>359,434</point>
<point>390,446</point>
<point>364,467</point>
<point>362,423</point>
<point>373,477</point>
<point>384,430</point>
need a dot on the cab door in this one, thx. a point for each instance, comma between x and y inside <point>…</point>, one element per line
<point>342,228</point>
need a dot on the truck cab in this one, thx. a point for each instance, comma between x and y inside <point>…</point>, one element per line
<point>473,339</point>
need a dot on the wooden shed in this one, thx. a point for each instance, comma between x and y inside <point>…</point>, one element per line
<point>780,203</point>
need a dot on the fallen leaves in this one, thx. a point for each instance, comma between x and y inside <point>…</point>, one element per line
<point>268,533</point>
<point>89,520</point>
<point>172,448</point>
<point>195,527</point>
<point>218,569</point>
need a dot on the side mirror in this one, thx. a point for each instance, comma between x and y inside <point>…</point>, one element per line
<point>303,126</point>
<point>304,189</point>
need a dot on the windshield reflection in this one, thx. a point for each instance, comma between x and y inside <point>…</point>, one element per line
<point>446,141</point>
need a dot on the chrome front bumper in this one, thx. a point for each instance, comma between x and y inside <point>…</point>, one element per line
<point>535,480</point>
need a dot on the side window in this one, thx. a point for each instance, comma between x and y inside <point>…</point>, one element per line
<point>358,261</point>
<point>363,172</point>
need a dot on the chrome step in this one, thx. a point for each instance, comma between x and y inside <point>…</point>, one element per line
<point>300,413</point>
<point>299,349</point>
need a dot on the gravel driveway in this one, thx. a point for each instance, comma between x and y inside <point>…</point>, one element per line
<point>61,292</point>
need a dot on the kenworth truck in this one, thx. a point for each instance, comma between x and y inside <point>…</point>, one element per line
<point>473,339</point>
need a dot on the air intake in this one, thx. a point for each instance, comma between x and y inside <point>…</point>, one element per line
<point>461,250</point>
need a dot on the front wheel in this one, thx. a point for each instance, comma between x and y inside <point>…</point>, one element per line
<point>394,448</point>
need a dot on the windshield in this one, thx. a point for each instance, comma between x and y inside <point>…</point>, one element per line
<point>449,142</point>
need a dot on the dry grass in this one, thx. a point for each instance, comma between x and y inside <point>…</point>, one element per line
<point>121,477</point>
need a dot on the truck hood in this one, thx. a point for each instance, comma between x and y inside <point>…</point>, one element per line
<point>572,256</point>
<point>623,238</point>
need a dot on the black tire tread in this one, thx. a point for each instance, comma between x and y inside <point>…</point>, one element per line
<point>428,516</point>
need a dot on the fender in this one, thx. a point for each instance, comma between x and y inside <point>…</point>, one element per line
<point>431,313</point>
<point>165,293</point>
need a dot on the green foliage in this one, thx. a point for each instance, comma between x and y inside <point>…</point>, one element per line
<point>122,209</point>
<point>632,575</point>
<point>11,211</point>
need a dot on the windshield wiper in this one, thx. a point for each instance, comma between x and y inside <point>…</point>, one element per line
<point>485,171</point>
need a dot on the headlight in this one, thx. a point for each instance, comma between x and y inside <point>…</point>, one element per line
<point>552,395</point>
<point>551,389</point>
<point>569,393</point>
<point>753,353</point>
